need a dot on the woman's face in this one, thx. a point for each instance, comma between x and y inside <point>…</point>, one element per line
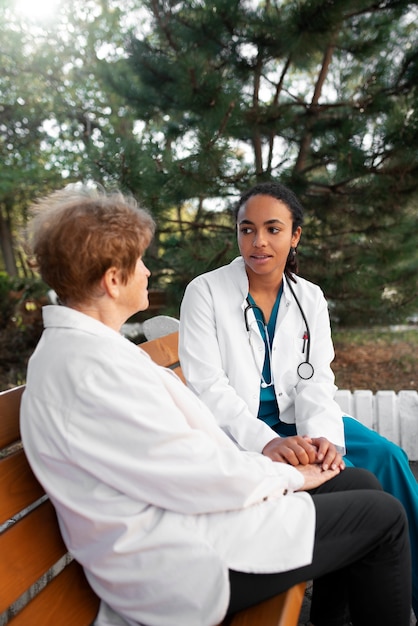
<point>264,232</point>
<point>135,292</point>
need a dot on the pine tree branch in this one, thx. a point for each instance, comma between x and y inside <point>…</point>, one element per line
<point>311,110</point>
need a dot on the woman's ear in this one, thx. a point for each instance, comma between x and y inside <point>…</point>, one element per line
<point>111,282</point>
<point>296,237</point>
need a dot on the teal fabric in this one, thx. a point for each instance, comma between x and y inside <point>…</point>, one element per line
<point>268,409</point>
<point>389,463</point>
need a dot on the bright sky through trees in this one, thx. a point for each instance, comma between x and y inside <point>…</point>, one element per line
<point>36,11</point>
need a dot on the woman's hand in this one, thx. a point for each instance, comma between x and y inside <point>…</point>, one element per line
<point>298,450</point>
<point>315,476</point>
<point>327,455</point>
<point>294,450</point>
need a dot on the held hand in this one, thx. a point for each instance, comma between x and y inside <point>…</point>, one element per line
<point>327,455</point>
<point>314,475</point>
<point>294,450</point>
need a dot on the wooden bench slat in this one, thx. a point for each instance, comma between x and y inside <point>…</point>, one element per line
<point>18,485</point>
<point>179,373</point>
<point>28,549</point>
<point>165,352</point>
<point>68,600</point>
<point>281,610</point>
<point>9,411</point>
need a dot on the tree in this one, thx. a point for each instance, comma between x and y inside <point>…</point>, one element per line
<point>319,94</point>
<point>22,112</point>
<point>205,98</point>
<point>53,108</point>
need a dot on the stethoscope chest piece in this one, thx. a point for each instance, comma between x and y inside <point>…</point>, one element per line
<point>305,370</point>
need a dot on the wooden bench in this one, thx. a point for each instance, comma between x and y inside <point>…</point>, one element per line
<point>40,583</point>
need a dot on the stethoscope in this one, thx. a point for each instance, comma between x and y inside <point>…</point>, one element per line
<point>305,369</point>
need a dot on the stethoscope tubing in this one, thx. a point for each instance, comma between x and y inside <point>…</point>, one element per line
<point>305,369</point>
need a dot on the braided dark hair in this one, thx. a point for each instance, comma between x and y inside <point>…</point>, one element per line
<point>285,195</point>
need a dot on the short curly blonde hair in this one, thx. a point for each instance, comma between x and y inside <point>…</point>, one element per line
<point>79,232</point>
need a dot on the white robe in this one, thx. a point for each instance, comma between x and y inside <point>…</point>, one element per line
<point>153,499</point>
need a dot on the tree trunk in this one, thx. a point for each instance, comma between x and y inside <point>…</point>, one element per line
<point>6,246</point>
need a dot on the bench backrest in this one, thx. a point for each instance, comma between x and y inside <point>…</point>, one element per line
<point>39,581</point>
<point>165,352</point>
<point>33,555</point>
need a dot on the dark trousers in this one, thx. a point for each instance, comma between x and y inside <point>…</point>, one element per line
<point>361,560</point>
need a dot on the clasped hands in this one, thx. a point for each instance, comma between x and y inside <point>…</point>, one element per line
<point>297,450</point>
<point>316,458</point>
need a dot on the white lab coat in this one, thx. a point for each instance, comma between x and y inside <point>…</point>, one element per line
<point>224,369</point>
<point>153,499</point>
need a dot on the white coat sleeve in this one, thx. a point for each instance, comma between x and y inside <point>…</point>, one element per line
<point>204,370</point>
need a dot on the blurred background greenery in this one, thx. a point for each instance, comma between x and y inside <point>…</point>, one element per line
<point>187,104</point>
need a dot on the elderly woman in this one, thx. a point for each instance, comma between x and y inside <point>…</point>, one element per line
<point>171,522</point>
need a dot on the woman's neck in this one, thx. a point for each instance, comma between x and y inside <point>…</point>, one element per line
<point>264,292</point>
<point>108,315</point>
<point>264,285</point>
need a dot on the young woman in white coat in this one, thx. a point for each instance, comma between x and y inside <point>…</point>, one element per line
<point>172,523</point>
<point>256,347</point>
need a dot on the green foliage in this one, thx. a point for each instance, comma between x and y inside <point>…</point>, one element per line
<point>186,104</point>
<point>320,95</point>
<point>53,110</point>
<point>6,303</point>
<point>201,246</point>
<point>21,300</point>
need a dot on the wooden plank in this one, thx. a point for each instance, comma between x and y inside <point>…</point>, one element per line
<point>408,411</point>
<point>68,600</point>
<point>364,407</point>
<point>9,415</point>
<point>179,373</point>
<point>292,605</point>
<point>281,610</point>
<point>18,485</point>
<point>165,351</point>
<point>28,549</point>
